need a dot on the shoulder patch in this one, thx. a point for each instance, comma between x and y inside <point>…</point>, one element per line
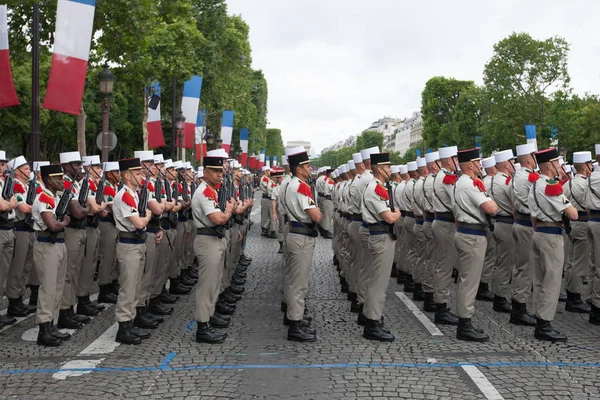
<point>507,181</point>
<point>109,191</point>
<point>553,188</point>
<point>305,189</point>
<point>129,200</point>
<point>265,179</point>
<point>19,188</point>
<point>67,184</point>
<point>209,193</point>
<point>93,186</point>
<point>45,198</point>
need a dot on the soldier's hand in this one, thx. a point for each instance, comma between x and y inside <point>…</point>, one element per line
<point>230,203</point>
<point>14,203</point>
<point>66,220</point>
<point>274,217</point>
<point>159,237</point>
<point>103,213</point>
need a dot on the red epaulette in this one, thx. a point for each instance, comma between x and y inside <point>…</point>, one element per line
<point>265,179</point>
<point>163,191</point>
<point>150,185</point>
<point>272,185</point>
<point>553,188</point>
<point>67,184</point>
<point>93,186</point>
<point>449,179</point>
<point>331,182</point>
<point>507,181</point>
<point>382,192</point>
<point>305,189</point>
<point>209,193</point>
<point>180,188</point>
<point>39,190</point>
<point>19,188</point>
<point>565,180</point>
<point>129,200</point>
<point>44,198</point>
<point>533,177</point>
<point>108,191</point>
<point>478,183</point>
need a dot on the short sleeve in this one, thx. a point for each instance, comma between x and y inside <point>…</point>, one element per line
<point>478,197</point>
<point>306,203</point>
<point>127,210</point>
<point>375,204</point>
<point>208,206</point>
<point>40,207</point>
<point>559,203</point>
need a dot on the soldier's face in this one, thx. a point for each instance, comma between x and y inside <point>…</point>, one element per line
<point>97,172</point>
<point>24,172</point>
<point>213,176</point>
<point>138,175</point>
<point>2,167</point>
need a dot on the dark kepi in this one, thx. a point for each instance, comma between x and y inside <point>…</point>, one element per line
<point>380,158</point>
<point>468,155</point>
<point>129,164</point>
<point>547,155</point>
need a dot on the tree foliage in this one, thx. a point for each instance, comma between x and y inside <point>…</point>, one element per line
<point>274,144</point>
<point>369,139</point>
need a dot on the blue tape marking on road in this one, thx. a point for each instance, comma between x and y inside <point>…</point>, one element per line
<point>167,360</point>
<point>165,367</point>
<point>190,326</point>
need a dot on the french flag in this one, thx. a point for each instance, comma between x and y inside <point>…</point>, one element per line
<point>8,94</point>
<point>261,159</point>
<point>274,161</point>
<point>200,145</point>
<point>72,39</point>
<point>227,129</point>
<point>253,162</point>
<point>189,107</point>
<point>244,145</point>
<point>154,125</point>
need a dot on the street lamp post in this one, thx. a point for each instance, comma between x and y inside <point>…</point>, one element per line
<point>107,80</point>
<point>179,125</point>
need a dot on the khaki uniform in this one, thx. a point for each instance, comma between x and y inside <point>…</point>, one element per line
<point>381,246</point>
<point>490,251</point>
<point>470,241</point>
<point>178,243</point>
<point>366,263</point>
<point>353,229</point>
<point>420,239</point>
<point>327,204</point>
<point>7,243</point>
<point>579,249</point>
<point>345,256</point>
<point>547,247</point>
<point>409,224</point>
<point>131,255</point>
<point>50,260</point>
<point>505,250</point>
<point>300,245</point>
<point>281,206</point>
<point>107,240</point>
<point>153,228</point>
<point>266,185</point>
<point>592,204</point>
<point>400,253</point>
<point>90,253</point>
<point>429,260</point>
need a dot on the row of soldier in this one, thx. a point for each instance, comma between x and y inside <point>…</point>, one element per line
<point>131,220</point>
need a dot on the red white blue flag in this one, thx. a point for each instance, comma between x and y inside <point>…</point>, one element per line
<point>244,146</point>
<point>189,107</point>
<point>8,94</point>
<point>200,144</point>
<point>154,125</point>
<point>227,129</point>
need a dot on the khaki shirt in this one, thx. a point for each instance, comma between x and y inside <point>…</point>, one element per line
<point>551,205</point>
<point>592,191</point>
<point>110,192</point>
<point>467,196</point>
<point>575,191</point>
<point>487,182</point>
<point>204,203</point>
<point>361,185</point>
<point>428,194</point>
<point>327,186</point>
<point>297,202</point>
<point>265,185</point>
<point>21,196</point>
<point>122,210</point>
<point>500,192</point>
<point>375,201</point>
<point>418,197</point>
<point>409,196</point>
<point>38,207</point>
<point>354,197</point>
<point>443,193</point>
<point>399,195</point>
<point>275,192</point>
<point>519,190</point>
<point>280,200</point>
<point>320,184</point>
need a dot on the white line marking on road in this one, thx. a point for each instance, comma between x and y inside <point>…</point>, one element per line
<point>486,387</point>
<point>83,364</point>
<point>430,326</point>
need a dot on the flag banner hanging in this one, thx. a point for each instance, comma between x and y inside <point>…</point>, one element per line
<point>154,125</point>
<point>8,94</point>
<point>274,161</point>
<point>268,161</point>
<point>531,135</point>
<point>261,159</point>
<point>72,40</point>
<point>200,144</point>
<point>189,107</point>
<point>244,145</point>
<point>227,129</point>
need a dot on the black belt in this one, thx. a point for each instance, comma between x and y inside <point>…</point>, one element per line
<point>45,237</point>
<point>506,219</point>
<point>523,219</point>
<point>265,196</point>
<point>92,221</point>
<point>553,230</point>
<point>306,229</point>
<point>409,214</point>
<point>206,232</point>
<point>471,229</point>
<point>355,217</point>
<point>7,225</point>
<point>21,226</point>
<point>77,223</point>
<point>153,230</point>
<point>444,216</point>
<point>594,216</point>
<point>429,219</point>
<point>110,218</point>
<point>582,216</point>
<point>381,228</point>
<point>165,223</point>
<point>132,237</point>
<point>419,219</point>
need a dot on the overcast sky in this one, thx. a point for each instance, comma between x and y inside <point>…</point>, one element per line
<point>335,66</point>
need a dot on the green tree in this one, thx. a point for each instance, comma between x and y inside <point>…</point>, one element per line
<point>369,139</point>
<point>274,144</point>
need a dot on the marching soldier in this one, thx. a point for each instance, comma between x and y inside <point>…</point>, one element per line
<point>522,235</point>
<point>277,175</point>
<point>592,205</point>
<point>266,186</point>
<point>377,213</point>
<point>324,190</point>
<point>580,245</point>
<point>409,224</point>
<point>49,255</point>
<point>176,285</point>
<point>548,204</point>
<point>354,224</point>
<point>426,198</point>
<point>471,205</point>
<point>107,241</point>
<point>420,239</point>
<point>400,256</point>
<point>483,292</point>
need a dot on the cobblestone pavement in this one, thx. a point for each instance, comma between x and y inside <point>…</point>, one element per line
<point>257,362</point>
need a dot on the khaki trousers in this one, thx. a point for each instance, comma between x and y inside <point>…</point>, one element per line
<point>364,275</point>
<point>420,247</point>
<point>471,252</point>
<point>594,239</point>
<point>178,249</point>
<point>280,225</point>
<point>445,259</point>
<point>355,254</point>
<point>345,259</point>
<point>86,276</point>
<point>284,269</point>
<point>210,252</point>
<point>411,251</point>
<point>490,258</point>
<point>382,251</point>
<point>327,208</point>
<point>579,251</point>
<point>190,230</point>
<point>7,247</point>
<point>161,271</point>
<point>107,244</point>
<point>548,258</point>
<point>50,261</point>
<point>505,259</point>
<point>429,262</point>
<point>21,265</point>
<point>230,256</point>
<point>131,259</point>
<point>299,261</point>
<point>336,235</point>
<point>400,254</point>
<point>265,213</point>
<point>143,294</point>
<point>523,273</point>
<point>75,243</point>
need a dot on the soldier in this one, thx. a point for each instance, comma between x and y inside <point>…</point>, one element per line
<point>345,255</point>
<point>188,274</point>
<point>400,254</point>
<point>505,260</point>
<point>483,292</point>
<point>592,206</point>
<point>522,235</point>
<point>409,224</point>
<point>444,228</point>
<point>471,205</point>
<point>327,205</point>
<point>420,239</point>
<point>548,205</point>
<point>395,180</point>
<point>107,240</point>
<point>300,244</point>
<point>354,224</point>
<point>266,187</point>
<point>579,251</point>
<point>380,216</point>
<point>22,262</point>
<point>426,199</point>
<point>277,175</point>
<point>176,285</point>
<point>49,255</point>
<point>210,246</point>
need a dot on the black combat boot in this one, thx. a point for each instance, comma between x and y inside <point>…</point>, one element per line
<point>355,307</point>
<point>186,281</point>
<point>418,294</point>
<point>85,307</point>
<point>245,258</point>
<point>345,286</point>
<point>33,298</point>
<point>502,305</point>
<point>223,308</point>
<point>45,336</point>
<point>217,321</point>
<point>84,319</point>
<point>444,316</point>
<point>228,298</point>
<point>16,308</point>
<point>305,324</point>
<point>6,320</point>
<point>238,281</point>
<point>167,298</point>
<point>409,284</point>
<point>595,315</point>
<point>298,333</point>
<point>65,320</point>
<point>265,232</point>
<point>124,334</point>
<point>115,286</point>
<point>280,251</point>
<point>336,262</point>
<point>192,273</point>
<point>177,287</point>
<point>520,316</point>
<point>484,293</point>
<point>138,332</point>
<point>207,334</point>
<point>106,295</point>
<point>142,320</point>
<point>466,331</point>
<point>361,320</point>
<point>283,306</point>
<point>236,297</point>
<point>272,235</point>
<point>575,304</point>
<point>240,275</point>
<point>429,305</point>
<point>562,297</point>
<point>544,331</point>
<point>156,307</point>
<point>394,273</point>
<point>327,234</point>
<point>352,296</point>
<point>58,334</point>
<point>236,289</point>
<point>374,330</point>
<point>401,278</point>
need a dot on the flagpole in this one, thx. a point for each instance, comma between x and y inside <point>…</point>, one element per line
<point>35,84</point>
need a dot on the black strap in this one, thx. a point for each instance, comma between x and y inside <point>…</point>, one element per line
<point>425,194</point>
<point>573,194</point>
<point>465,211</point>
<point>438,197</point>
<point>537,203</point>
